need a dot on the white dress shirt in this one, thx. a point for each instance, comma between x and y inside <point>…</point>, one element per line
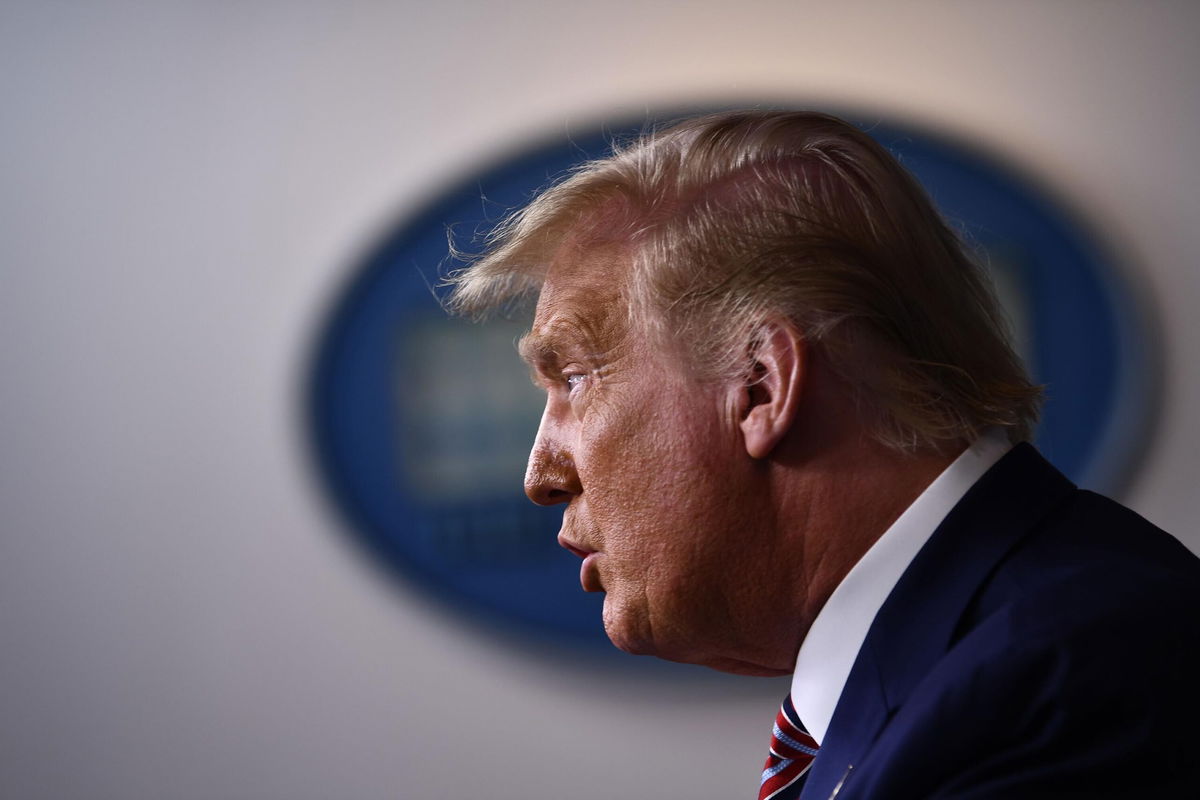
<point>832,644</point>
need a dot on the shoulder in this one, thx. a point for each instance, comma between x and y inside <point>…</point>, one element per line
<point>1090,571</point>
<point>1072,673</point>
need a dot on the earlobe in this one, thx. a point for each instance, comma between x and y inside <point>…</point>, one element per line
<point>770,394</point>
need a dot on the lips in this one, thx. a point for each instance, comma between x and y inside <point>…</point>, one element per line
<point>589,575</point>
<point>579,551</point>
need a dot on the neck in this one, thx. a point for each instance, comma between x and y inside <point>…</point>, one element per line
<point>837,491</point>
<point>843,505</point>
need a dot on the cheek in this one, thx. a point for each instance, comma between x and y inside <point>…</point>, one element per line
<point>667,502</point>
<point>635,468</point>
<point>656,469</point>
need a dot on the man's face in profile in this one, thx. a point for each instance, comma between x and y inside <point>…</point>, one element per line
<point>648,460</point>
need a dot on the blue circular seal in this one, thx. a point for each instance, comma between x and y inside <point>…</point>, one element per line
<point>421,423</point>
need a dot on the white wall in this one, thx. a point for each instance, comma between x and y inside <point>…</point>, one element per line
<point>182,186</point>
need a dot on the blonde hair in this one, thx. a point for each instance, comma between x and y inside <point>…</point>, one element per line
<point>734,218</point>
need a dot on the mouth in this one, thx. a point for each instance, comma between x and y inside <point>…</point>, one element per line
<point>582,552</point>
<point>589,576</point>
<point>579,551</point>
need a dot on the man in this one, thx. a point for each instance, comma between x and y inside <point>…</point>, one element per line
<point>788,430</point>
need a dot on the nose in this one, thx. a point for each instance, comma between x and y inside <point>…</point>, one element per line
<point>550,476</point>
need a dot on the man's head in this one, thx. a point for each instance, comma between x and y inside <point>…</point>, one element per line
<point>757,339</point>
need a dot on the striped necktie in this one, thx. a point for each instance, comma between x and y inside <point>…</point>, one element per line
<point>792,753</point>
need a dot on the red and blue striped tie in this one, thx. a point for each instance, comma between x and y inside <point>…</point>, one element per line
<point>792,753</point>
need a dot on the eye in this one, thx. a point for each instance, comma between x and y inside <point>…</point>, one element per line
<point>574,379</point>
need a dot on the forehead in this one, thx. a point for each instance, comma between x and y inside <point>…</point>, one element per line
<point>583,298</point>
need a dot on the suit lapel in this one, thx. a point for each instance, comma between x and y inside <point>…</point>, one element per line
<point>918,622</point>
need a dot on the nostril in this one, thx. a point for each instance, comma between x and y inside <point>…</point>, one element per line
<point>550,477</point>
<point>547,495</point>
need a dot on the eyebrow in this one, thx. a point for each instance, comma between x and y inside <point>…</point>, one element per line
<point>546,349</point>
<point>538,350</point>
<point>565,336</point>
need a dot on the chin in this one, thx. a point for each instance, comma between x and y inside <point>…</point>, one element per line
<point>747,668</point>
<point>642,644</point>
<point>624,639</point>
<point>731,666</point>
<point>629,629</point>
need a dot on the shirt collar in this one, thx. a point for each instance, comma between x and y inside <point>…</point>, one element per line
<point>832,644</point>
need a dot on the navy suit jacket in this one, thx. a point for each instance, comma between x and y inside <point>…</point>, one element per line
<point>1045,643</point>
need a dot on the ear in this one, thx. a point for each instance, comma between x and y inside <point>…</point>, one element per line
<point>770,395</point>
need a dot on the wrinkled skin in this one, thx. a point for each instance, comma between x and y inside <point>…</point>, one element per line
<point>711,547</point>
<point>656,481</point>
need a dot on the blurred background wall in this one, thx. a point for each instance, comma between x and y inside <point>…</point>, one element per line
<point>183,187</point>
